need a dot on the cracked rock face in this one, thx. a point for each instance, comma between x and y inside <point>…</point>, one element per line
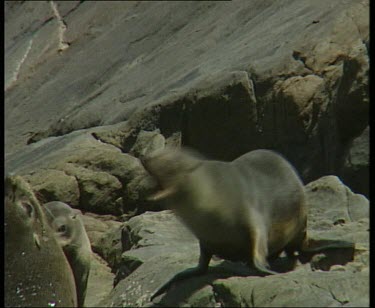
<point>91,87</point>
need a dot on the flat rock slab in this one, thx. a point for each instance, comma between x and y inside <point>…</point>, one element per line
<point>296,289</point>
<point>100,281</point>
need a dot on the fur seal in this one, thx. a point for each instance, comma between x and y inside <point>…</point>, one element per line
<point>72,237</point>
<point>37,273</point>
<point>250,209</point>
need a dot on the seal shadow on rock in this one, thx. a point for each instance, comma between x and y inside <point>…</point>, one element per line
<point>251,209</point>
<point>37,273</point>
<point>72,237</point>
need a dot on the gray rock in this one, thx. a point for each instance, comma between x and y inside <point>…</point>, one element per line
<point>317,289</point>
<point>100,281</point>
<point>104,235</point>
<point>330,199</point>
<point>81,170</point>
<point>146,143</point>
<point>98,190</point>
<point>53,184</point>
<point>336,212</point>
<point>109,247</point>
<point>355,172</point>
<point>103,232</point>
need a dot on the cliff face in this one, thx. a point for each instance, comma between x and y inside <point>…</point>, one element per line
<point>92,86</point>
<point>228,76</point>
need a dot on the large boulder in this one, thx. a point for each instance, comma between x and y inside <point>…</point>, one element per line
<point>82,171</point>
<point>100,281</point>
<point>104,235</point>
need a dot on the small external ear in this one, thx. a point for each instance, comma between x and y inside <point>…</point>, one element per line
<point>49,215</point>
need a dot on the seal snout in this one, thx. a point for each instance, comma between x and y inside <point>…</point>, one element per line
<point>160,167</point>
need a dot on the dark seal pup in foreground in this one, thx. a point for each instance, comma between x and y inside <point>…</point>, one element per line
<point>250,209</point>
<point>37,273</point>
<point>72,237</point>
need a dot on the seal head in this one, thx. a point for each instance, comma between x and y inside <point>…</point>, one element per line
<point>37,273</point>
<point>168,167</point>
<point>72,237</point>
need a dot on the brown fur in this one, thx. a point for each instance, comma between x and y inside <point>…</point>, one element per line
<point>71,235</point>
<point>36,270</point>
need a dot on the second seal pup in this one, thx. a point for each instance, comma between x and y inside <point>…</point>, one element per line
<point>250,209</point>
<point>71,235</point>
<point>37,273</point>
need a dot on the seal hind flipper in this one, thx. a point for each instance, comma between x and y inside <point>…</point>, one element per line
<point>312,247</point>
<point>259,250</point>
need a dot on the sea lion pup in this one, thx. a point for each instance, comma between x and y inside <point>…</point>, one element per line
<point>71,235</point>
<point>250,209</point>
<point>37,273</point>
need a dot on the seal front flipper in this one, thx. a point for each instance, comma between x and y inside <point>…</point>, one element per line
<point>204,260</point>
<point>258,247</point>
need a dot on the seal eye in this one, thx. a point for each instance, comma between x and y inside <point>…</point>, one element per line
<point>62,229</point>
<point>28,208</point>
